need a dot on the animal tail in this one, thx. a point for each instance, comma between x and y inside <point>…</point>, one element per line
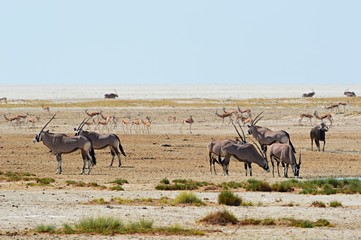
<point>289,141</point>
<point>92,153</point>
<point>120,146</point>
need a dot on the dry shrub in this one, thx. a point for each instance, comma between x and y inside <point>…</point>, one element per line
<point>220,218</point>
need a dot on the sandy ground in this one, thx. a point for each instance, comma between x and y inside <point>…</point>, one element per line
<point>170,151</point>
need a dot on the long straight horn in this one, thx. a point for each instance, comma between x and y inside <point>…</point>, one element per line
<point>243,140</point>
<point>256,119</point>
<point>83,123</point>
<point>244,136</point>
<point>48,123</point>
<point>259,149</point>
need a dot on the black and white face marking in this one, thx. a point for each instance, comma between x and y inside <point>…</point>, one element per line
<point>37,137</point>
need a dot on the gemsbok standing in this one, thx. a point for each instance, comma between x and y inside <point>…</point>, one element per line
<point>59,144</point>
<point>246,153</point>
<point>282,152</point>
<point>101,141</point>
<point>266,136</point>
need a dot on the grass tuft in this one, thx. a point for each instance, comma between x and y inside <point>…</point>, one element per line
<point>318,204</point>
<point>229,198</point>
<point>45,228</point>
<point>335,204</point>
<point>188,198</point>
<point>220,218</point>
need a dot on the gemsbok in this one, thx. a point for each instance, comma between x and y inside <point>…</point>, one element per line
<point>246,153</point>
<point>4,99</point>
<point>266,136</point>
<point>59,144</point>
<point>318,134</point>
<point>283,153</point>
<point>101,141</point>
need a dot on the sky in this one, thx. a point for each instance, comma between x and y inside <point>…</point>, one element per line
<point>180,42</point>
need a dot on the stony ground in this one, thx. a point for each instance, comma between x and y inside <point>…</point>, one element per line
<point>171,151</point>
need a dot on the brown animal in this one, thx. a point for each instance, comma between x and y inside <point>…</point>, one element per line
<point>305,115</point>
<point>327,116</point>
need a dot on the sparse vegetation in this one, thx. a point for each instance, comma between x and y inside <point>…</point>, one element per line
<point>318,204</point>
<point>188,198</point>
<point>229,198</point>
<point>112,225</point>
<point>223,218</point>
<point>335,204</point>
<point>180,184</point>
<point>257,185</point>
<point>83,184</point>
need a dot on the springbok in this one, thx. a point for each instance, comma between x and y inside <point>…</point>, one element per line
<point>266,136</point>
<point>101,141</point>
<point>136,125</point>
<point>305,115</point>
<point>246,153</point>
<point>12,120</point>
<point>45,108</point>
<point>59,144</point>
<point>4,99</point>
<point>225,115</point>
<point>32,121</point>
<point>328,116</point>
<point>283,153</point>
<point>242,111</point>
<point>344,104</point>
<point>125,122</point>
<point>333,106</point>
<point>190,121</point>
<point>92,114</point>
<point>147,123</point>
<point>318,134</point>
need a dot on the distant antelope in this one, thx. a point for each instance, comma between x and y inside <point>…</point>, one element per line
<point>109,120</point>
<point>247,110</point>
<point>101,141</point>
<point>305,115</point>
<point>125,122</point>
<point>93,114</point>
<point>225,115</point>
<point>333,106</point>
<point>344,104</point>
<point>310,94</point>
<point>136,125</point>
<point>266,136</point>
<point>146,124</point>
<point>328,116</point>
<point>318,134</point>
<point>59,144</point>
<point>104,124</point>
<point>4,99</point>
<point>13,120</point>
<point>45,108</point>
<point>283,153</point>
<point>32,121</point>
<point>243,119</point>
<point>190,121</point>
<point>172,119</point>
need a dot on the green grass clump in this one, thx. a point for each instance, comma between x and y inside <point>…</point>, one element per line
<point>232,185</point>
<point>18,176</point>
<point>187,198</point>
<point>335,204</point>
<point>220,218</point>
<point>45,228</point>
<point>111,226</point>
<point>165,181</point>
<point>119,181</point>
<point>75,183</point>
<point>258,186</point>
<point>318,204</point>
<point>229,198</point>
<point>285,186</point>
<point>117,188</point>
<point>322,223</point>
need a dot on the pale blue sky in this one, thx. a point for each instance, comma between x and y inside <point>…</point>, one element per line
<point>188,41</point>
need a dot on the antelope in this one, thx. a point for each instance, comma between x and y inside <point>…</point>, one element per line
<point>305,115</point>
<point>328,116</point>
<point>243,119</point>
<point>349,94</point>
<point>247,110</point>
<point>333,106</point>
<point>101,141</point>
<point>47,109</point>
<point>88,123</point>
<point>59,144</point>
<point>224,115</point>
<point>102,123</point>
<point>266,136</point>
<point>136,125</point>
<point>190,121</point>
<point>283,153</point>
<point>125,122</point>
<point>318,134</point>
<point>32,121</point>
<point>146,124</point>
<point>109,120</point>
<point>172,119</point>
<point>111,95</point>
<point>344,104</point>
<point>4,99</point>
<point>246,153</point>
<point>13,120</point>
<point>92,114</point>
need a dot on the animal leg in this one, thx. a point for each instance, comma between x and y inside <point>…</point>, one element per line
<point>278,168</point>
<point>113,156</point>
<point>323,148</point>
<point>286,171</point>
<point>59,169</point>
<point>89,165</point>
<point>273,166</point>
<point>317,144</point>
<point>85,159</point>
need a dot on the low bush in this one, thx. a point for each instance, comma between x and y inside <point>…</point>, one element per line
<point>335,204</point>
<point>229,198</point>
<point>187,198</point>
<point>220,218</point>
<point>318,204</point>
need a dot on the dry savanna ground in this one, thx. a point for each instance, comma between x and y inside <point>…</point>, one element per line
<point>166,149</point>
